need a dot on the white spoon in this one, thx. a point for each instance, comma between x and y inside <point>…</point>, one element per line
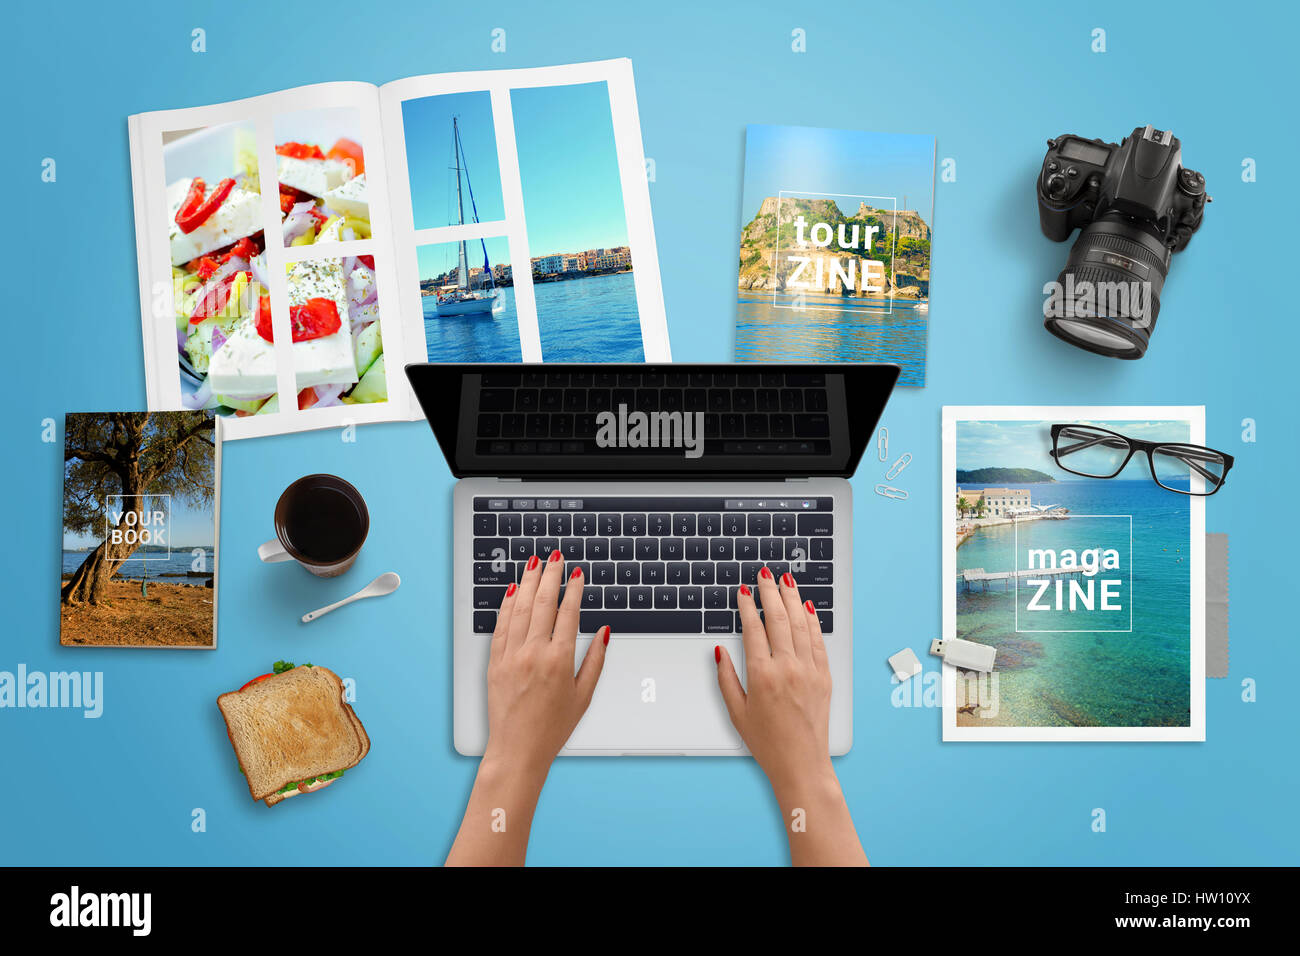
<point>386,583</point>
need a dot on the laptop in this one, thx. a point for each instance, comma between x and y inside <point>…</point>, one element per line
<point>671,485</point>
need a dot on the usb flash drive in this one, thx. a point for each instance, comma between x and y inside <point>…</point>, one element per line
<point>967,655</point>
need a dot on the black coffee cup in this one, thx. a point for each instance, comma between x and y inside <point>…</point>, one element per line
<point>321,522</point>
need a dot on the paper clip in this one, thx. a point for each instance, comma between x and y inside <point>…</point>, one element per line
<point>887,492</point>
<point>882,444</point>
<point>897,468</point>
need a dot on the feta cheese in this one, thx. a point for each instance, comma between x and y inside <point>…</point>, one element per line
<point>313,176</point>
<point>239,216</point>
<point>350,198</point>
<point>328,359</point>
<point>244,367</point>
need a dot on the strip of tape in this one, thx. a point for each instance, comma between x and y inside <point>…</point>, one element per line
<point>1216,605</point>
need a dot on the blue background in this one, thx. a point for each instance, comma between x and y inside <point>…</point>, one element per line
<point>992,86</point>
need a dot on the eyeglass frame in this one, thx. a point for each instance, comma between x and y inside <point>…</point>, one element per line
<point>1149,447</point>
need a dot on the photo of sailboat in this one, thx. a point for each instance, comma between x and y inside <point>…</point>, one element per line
<point>460,299</point>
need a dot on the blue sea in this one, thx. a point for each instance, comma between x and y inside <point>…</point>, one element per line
<point>579,320</point>
<point>1094,678</point>
<point>171,570</point>
<point>765,333</point>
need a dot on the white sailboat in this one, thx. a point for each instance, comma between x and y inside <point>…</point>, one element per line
<point>464,300</point>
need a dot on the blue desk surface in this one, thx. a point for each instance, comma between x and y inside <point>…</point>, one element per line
<point>992,86</point>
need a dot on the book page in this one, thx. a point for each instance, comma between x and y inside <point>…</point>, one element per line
<point>521,212</point>
<point>268,289</point>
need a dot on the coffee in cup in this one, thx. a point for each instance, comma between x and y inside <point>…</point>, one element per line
<point>321,522</point>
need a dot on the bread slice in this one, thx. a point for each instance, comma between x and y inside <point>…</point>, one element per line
<point>275,798</point>
<point>293,726</point>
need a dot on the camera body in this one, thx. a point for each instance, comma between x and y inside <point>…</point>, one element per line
<point>1136,205</point>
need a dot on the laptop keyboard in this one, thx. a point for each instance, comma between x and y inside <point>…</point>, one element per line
<point>750,413</point>
<point>656,565</point>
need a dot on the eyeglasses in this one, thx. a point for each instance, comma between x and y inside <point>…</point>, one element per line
<point>1099,453</point>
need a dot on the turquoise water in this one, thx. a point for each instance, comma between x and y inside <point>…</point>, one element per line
<point>1095,678</point>
<point>155,565</point>
<point>579,320</point>
<point>765,333</point>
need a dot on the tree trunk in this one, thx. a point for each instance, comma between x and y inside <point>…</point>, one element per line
<point>89,583</point>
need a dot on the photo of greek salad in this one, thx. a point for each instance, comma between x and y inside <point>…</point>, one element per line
<point>224,336</point>
<point>320,186</point>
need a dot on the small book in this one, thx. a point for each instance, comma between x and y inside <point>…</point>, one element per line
<point>297,249</point>
<point>141,503</point>
<point>835,247</point>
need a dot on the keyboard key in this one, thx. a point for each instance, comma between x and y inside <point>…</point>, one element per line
<point>615,597</point>
<point>621,549</point>
<point>485,622</point>
<point>709,525</point>
<point>521,549</point>
<point>491,549</point>
<point>671,549</point>
<point>488,598</point>
<point>591,598</point>
<point>640,598</point>
<point>534,525</point>
<point>796,549</point>
<point>602,572</point>
<point>641,622</point>
<point>610,525</point>
<point>510,525</point>
<point>652,572</point>
<point>746,549</point>
<point>627,572</point>
<point>749,572</point>
<point>822,549</point>
<point>721,549</point>
<point>496,399</point>
<point>697,549</point>
<point>661,524</point>
<point>771,549</point>
<point>759,526</point>
<point>665,598</point>
<point>733,524</point>
<point>679,572</point>
<point>584,525</point>
<point>816,572</point>
<point>634,524</point>
<point>783,525</point>
<point>690,598</point>
<point>715,597</point>
<point>701,572</point>
<point>821,597</point>
<point>728,573</point>
<point>545,546</point>
<point>647,549</point>
<point>485,525</point>
<point>597,549</point>
<point>583,566</point>
<point>684,525</point>
<point>559,525</point>
<point>816,525</point>
<point>484,573</point>
<point>572,549</point>
<point>717,622</point>
<point>827,620</point>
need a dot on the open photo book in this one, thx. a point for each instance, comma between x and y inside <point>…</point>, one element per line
<point>297,249</point>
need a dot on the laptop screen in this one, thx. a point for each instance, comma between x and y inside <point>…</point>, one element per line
<point>639,421</point>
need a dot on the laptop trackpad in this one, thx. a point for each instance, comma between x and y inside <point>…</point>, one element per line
<point>658,695</point>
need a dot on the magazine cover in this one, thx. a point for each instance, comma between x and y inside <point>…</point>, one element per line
<point>297,249</point>
<point>835,247</point>
<point>1091,590</point>
<point>140,520</point>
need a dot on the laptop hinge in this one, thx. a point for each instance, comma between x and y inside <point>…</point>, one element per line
<point>793,480</point>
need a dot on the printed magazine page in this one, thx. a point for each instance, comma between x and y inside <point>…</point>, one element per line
<point>1088,582</point>
<point>835,247</point>
<point>141,513</point>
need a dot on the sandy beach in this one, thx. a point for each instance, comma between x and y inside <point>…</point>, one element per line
<point>173,615</point>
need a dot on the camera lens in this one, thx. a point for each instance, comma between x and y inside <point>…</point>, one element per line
<point>1109,290</point>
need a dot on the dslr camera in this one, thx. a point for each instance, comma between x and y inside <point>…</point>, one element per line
<point>1136,205</point>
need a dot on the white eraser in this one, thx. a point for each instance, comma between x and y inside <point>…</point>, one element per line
<point>905,664</point>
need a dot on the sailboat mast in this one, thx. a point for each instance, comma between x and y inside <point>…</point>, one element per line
<point>462,268</point>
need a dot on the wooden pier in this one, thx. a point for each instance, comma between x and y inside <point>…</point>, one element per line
<point>981,577</point>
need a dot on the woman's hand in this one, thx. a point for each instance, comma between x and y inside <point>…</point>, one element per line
<point>784,718</point>
<point>534,702</point>
<point>534,699</point>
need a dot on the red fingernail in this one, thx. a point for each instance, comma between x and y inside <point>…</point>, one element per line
<point>787,580</point>
<point>555,556</point>
<point>808,606</point>
<point>765,573</point>
<point>744,589</point>
<point>607,635</point>
<point>717,654</point>
<point>577,573</point>
<point>532,563</point>
<point>510,591</point>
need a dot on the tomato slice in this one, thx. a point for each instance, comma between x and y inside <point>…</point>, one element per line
<point>351,153</point>
<point>369,261</point>
<point>299,151</point>
<point>193,214</point>
<point>255,680</point>
<point>207,266</point>
<point>245,248</point>
<point>313,319</point>
<point>306,398</point>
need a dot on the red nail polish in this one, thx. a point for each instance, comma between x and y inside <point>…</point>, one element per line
<point>744,589</point>
<point>717,654</point>
<point>532,563</point>
<point>577,573</point>
<point>787,579</point>
<point>808,606</point>
<point>763,572</point>
<point>607,635</point>
<point>555,556</point>
<point>510,591</point>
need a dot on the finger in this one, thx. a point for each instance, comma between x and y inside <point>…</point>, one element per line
<point>523,611</point>
<point>751,626</point>
<point>797,616</point>
<point>815,641</point>
<point>547,599</point>
<point>502,629</point>
<point>775,617</point>
<point>566,620</point>
<point>592,664</point>
<point>733,694</point>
